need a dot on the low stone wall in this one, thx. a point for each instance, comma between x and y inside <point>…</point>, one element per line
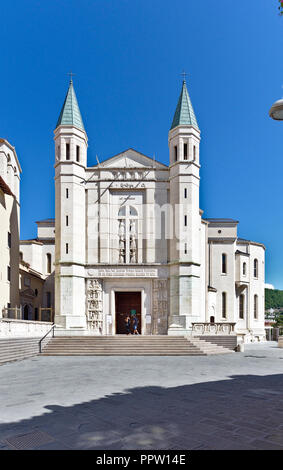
<point>10,328</point>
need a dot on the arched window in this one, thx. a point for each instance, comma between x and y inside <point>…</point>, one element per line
<point>128,234</point>
<point>242,306</point>
<point>255,268</point>
<point>255,306</point>
<point>48,263</point>
<point>224,305</point>
<point>224,263</point>
<point>244,269</point>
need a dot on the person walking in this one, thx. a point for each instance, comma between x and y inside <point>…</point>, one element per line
<point>135,324</point>
<point>128,324</point>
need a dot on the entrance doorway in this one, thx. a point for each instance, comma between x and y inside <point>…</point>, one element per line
<point>26,312</point>
<point>126,303</point>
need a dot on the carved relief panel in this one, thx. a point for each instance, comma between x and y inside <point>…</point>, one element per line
<point>159,306</point>
<point>95,305</point>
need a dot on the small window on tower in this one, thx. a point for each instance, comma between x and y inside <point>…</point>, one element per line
<point>48,263</point>
<point>67,248</point>
<point>67,151</point>
<point>224,304</point>
<point>185,193</point>
<point>195,151</point>
<point>58,152</point>
<point>67,220</point>
<point>78,153</point>
<point>185,221</point>
<point>186,249</point>
<point>176,152</point>
<point>67,193</point>
<point>224,263</point>
<point>9,240</point>
<point>185,151</point>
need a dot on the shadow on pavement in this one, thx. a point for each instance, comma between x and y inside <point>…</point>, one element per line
<point>244,412</point>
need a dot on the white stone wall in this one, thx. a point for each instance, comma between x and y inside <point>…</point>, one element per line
<point>23,329</point>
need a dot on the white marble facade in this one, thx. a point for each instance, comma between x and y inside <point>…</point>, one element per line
<point>132,224</point>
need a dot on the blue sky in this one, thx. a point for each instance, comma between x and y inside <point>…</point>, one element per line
<point>128,56</point>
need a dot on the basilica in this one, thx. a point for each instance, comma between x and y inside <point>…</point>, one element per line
<point>129,238</point>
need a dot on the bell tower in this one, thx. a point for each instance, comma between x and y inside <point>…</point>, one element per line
<point>185,246</point>
<point>70,224</point>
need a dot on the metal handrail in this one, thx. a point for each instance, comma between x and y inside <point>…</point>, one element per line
<point>39,344</point>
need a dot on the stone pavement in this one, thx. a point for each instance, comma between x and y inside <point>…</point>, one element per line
<point>216,402</point>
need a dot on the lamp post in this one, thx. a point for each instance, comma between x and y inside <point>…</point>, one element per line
<point>276,110</point>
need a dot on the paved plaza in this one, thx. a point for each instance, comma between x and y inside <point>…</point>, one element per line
<point>234,401</point>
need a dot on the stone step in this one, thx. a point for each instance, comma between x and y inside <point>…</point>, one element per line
<point>129,345</point>
<point>13,349</point>
<point>125,353</point>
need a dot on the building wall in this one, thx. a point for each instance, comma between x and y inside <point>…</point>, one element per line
<point>9,223</point>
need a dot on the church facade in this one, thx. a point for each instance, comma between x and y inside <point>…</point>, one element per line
<point>130,238</point>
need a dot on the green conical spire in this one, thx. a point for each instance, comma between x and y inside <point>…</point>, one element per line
<point>184,113</point>
<point>70,113</point>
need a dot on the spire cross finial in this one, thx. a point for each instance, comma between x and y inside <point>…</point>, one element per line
<point>184,75</point>
<point>71,75</point>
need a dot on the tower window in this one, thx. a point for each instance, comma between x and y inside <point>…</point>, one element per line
<point>48,263</point>
<point>256,268</point>
<point>78,153</point>
<point>176,153</point>
<point>185,221</point>
<point>224,304</point>
<point>67,193</point>
<point>9,240</point>
<point>195,151</point>
<point>224,263</point>
<point>185,193</point>
<point>67,151</point>
<point>67,248</point>
<point>255,307</point>
<point>8,273</point>
<point>185,151</point>
<point>241,306</point>
<point>244,269</point>
<point>186,249</point>
<point>58,152</point>
<point>67,220</point>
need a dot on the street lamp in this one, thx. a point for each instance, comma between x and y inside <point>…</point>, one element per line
<point>276,110</point>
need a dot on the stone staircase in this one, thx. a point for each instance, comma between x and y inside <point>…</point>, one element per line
<point>229,342</point>
<point>122,345</point>
<point>13,349</point>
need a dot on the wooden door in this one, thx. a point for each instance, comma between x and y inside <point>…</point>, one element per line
<point>125,303</point>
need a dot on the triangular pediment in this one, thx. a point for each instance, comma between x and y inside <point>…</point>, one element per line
<point>131,159</point>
